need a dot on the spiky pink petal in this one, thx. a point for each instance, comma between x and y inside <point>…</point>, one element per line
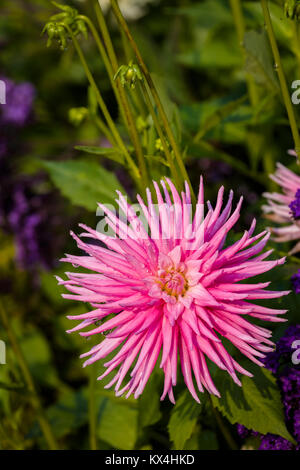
<point>174,291</point>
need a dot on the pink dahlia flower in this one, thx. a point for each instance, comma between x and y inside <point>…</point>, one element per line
<point>284,208</point>
<point>174,291</point>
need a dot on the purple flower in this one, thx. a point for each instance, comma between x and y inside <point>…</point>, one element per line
<point>283,351</point>
<point>243,432</point>
<point>273,442</point>
<point>32,218</point>
<point>19,102</point>
<point>295,205</point>
<point>289,383</point>
<point>296,281</point>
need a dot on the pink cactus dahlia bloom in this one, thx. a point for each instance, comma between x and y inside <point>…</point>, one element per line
<point>174,291</point>
<point>284,208</point>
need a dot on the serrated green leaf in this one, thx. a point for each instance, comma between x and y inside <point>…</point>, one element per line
<point>257,404</point>
<point>84,183</point>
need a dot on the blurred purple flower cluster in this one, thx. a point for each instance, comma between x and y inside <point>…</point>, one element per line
<point>19,103</point>
<point>15,113</point>
<point>25,211</point>
<point>295,206</point>
<point>288,379</point>
<point>296,281</point>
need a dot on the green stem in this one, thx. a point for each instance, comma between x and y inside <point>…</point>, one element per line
<point>120,92</point>
<point>223,428</point>
<point>296,43</point>
<point>281,76</point>
<point>45,426</point>
<point>237,13</point>
<point>92,408</point>
<point>158,127</point>
<point>104,56</point>
<point>103,107</point>
<point>154,93</point>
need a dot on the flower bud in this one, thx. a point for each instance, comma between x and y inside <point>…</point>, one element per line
<point>56,31</point>
<point>78,115</point>
<point>129,74</point>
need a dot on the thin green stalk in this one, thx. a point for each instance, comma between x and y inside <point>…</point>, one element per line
<point>103,107</point>
<point>281,76</point>
<point>104,56</point>
<point>237,13</point>
<point>105,34</point>
<point>124,105</point>
<point>45,426</point>
<point>92,408</point>
<point>296,43</point>
<point>137,96</point>
<point>154,93</point>
<point>157,125</point>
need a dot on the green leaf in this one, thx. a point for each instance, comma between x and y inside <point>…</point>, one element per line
<point>36,349</point>
<point>111,153</point>
<point>84,183</point>
<point>183,419</point>
<point>259,60</point>
<point>257,404</point>
<point>149,403</point>
<point>117,423</point>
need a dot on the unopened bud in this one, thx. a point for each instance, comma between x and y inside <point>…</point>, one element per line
<point>129,74</point>
<point>77,115</point>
